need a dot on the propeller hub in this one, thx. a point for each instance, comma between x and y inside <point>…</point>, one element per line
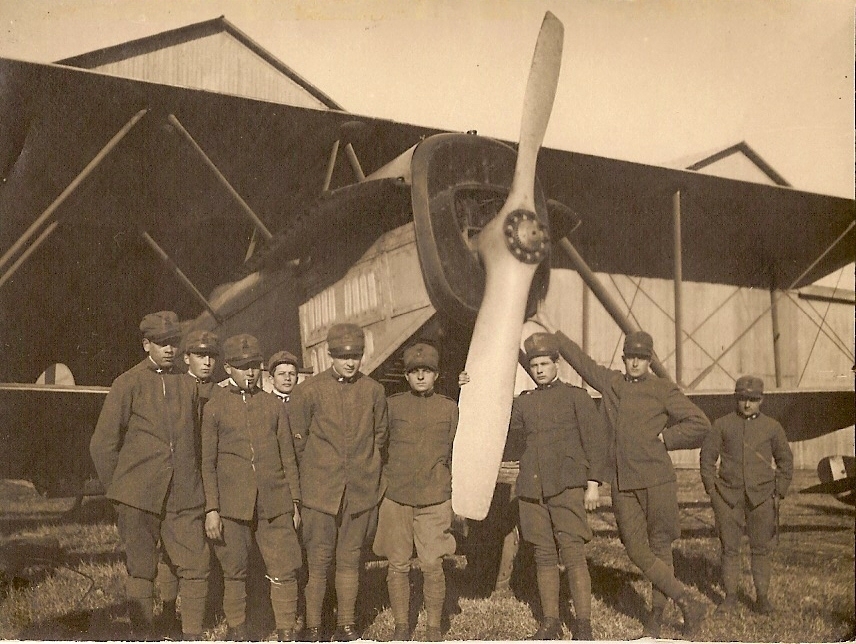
<point>526,236</point>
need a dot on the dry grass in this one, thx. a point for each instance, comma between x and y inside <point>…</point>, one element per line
<point>75,592</point>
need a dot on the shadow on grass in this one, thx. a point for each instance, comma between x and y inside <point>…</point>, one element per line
<point>614,588</point>
<point>108,623</point>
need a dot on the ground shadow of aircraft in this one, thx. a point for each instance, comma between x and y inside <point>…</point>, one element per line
<point>120,197</point>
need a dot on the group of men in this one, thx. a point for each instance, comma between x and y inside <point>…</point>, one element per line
<point>303,474</point>
<point>189,464</point>
<point>566,449</point>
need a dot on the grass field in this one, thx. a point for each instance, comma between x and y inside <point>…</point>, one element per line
<point>71,587</point>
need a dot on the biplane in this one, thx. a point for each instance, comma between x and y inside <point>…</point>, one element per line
<point>120,197</point>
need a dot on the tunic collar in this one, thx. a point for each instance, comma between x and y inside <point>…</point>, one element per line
<point>233,386</point>
<point>339,378</point>
<point>752,417</point>
<point>151,364</point>
<point>550,384</point>
<point>283,397</point>
<point>423,394</point>
<point>642,378</point>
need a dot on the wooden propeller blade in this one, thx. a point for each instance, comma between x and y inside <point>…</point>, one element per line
<point>485,402</point>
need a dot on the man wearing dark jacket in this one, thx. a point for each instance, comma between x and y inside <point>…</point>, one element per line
<point>561,467</point>
<point>341,416</point>
<point>647,416</point>
<point>417,509</point>
<point>201,349</point>
<point>145,451</point>
<point>252,488</point>
<point>744,491</point>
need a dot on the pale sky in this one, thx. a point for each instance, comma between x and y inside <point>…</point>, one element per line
<point>652,81</point>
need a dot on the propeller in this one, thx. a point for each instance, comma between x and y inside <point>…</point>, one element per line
<point>510,247</point>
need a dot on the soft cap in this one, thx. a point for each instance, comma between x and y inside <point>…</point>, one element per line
<point>421,354</point>
<point>241,350</point>
<point>204,342</point>
<point>345,339</point>
<point>541,344</point>
<point>639,343</point>
<point>160,327</point>
<point>750,386</point>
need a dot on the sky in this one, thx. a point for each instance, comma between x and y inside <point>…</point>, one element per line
<point>653,81</point>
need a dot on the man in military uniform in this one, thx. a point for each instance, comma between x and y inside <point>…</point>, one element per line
<point>417,508</point>
<point>282,371</point>
<point>252,488</point>
<point>283,376</point>
<point>342,416</point>
<point>647,416</point>
<point>745,489</point>
<point>145,451</point>
<point>201,349</point>
<point>561,468</point>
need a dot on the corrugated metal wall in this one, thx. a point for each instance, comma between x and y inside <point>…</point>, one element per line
<point>816,339</point>
<point>217,63</point>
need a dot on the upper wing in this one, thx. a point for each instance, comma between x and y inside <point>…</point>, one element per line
<point>54,120</point>
<point>733,232</point>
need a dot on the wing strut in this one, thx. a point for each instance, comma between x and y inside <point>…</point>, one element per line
<point>185,281</point>
<point>605,298</point>
<point>50,210</point>
<point>252,216</point>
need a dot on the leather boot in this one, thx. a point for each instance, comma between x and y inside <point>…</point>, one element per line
<point>239,633</point>
<point>311,634</point>
<point>763,606</point>
<point>550,629</point>
<point>433,634</point>
<point>401,633</point>
<point>728,605</point>
<point>694,613</point>
<point>582,630</point>
<point>284,635</point>
<point>345,633</point>
<point>170,625</point>
<point>652,622</point>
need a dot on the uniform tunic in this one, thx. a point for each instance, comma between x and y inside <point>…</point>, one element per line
<point>144,446</point>
<point>638,412</point>
<point>564,438</point>
<point>421,432</point>
<point>755,462</point>
<point>146,452</point>
<point>343,424</point>
<point>250,476</point>
<point>746,449</point>
<point>248,461</point>
<point>417,507</point>
<point>564,448</point>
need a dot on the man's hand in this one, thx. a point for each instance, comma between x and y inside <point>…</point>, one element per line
<point>591,500</point>
<point>463,378</point>
<point>213,525</point>
<point>296,515</point>
<point>542,319</point>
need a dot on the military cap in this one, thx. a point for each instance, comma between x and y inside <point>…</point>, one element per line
<point>241,350</point>
<point>749,386</point>
<point>160,327</point>
<point>541,344</point>
<point>281,357</point>
<point>200,341</point>
<point>345,339</point>
<point>639,343</point>
<point>421,354</point>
